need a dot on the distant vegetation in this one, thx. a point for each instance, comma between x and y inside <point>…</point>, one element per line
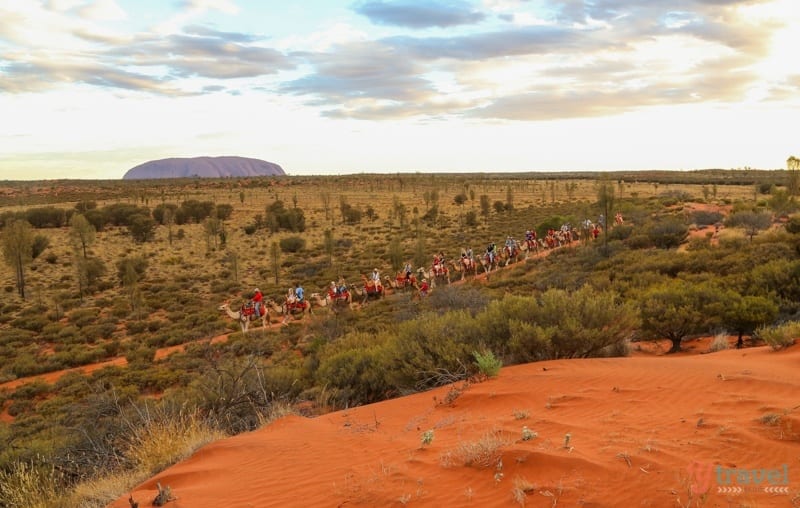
<point>118,271</point>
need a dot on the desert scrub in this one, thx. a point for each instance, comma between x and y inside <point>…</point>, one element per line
<point>483,452</point>
<point>528,434</point>
<point>780,336</point>
<point>488,364</point>
<point>30,485</point>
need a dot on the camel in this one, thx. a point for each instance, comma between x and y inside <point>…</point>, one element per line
<point>400,282</point>
<point>529,246</point>
<point>369,290</point>
<point>290,308</point>
<point>318,300</point>
<point>273,306</point>
<point>244,319</point>
<point>338,301</point>
<point>487,265</point>
<point>465,266</point>
<point>509,254</point>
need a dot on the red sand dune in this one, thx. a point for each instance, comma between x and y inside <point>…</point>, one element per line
<point>643,431</point>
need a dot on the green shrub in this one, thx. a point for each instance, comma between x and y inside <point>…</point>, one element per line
<point>706,218</point>
<point>84,317</point>
<point>292,244</point>
<point>32,323</point>
<point>668,233</point>
<point>488,364</point>
<point>780,336</point>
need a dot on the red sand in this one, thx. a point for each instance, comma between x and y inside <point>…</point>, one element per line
<point>636,424</point>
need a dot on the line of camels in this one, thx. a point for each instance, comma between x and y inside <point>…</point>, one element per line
<point>368,289</point>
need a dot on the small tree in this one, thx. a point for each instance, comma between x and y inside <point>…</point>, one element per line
<point>751,222</point>
<point>605,200</point>
<point>275,258</point>
<point>329,245</point>
<point>82,232</point>
<point>676,310</point>
<point>486,208</point>
<point>396,253</point>
<point>211,227</point>
<point>793,176</point>
<point>142,228</point>
<point>18,250</point>
<point>746,313</point>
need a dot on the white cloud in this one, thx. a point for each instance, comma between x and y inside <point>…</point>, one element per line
<point>102,10</point>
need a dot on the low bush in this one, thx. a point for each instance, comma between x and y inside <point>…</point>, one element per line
<point>292,244</point>
<point>780,336</point>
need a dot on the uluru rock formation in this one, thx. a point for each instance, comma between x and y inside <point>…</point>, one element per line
<point>204,167</point>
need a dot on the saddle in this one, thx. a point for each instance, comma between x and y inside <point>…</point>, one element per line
<point>340,295</point>
<point>297,305</point>
<point>249,310</point>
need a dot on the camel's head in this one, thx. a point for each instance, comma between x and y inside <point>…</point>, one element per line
<point>224,306</point>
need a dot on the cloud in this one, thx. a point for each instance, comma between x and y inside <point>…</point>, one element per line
<point>102,10</point>
<point>481,46</point>
<point>360,71</point>
<point>213,55</point>
<point>36,76</point>
<point>144,62</point>
<point>226,6</point>
<point>595,97</point>
<point>418,14</point>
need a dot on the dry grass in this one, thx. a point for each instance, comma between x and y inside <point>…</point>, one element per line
<point>720,342</point>
<point>521,489</point>
<point>482,453</point>
<point>159,444</point>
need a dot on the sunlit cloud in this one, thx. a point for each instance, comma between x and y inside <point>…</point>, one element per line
<point>399,66</point>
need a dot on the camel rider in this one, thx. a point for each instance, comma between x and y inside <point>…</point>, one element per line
<point>375,278</point>
<point>256,300</point>
<point>408,271</point>
<point>298,292</point>
<point>290,296</point>
<point>342,285</point>
<point>490,252</point>
<point>333,289</point>
<point>528,236</point>
<point>423,288</point>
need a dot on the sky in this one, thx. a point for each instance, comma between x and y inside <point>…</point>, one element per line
<point>92,88</point>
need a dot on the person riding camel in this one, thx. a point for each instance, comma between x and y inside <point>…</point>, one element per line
<point>375,279</point>
<point>291,297</point>
<point>510,246</point>
<point>299,293</point>
<point>424,288</point>
<point>407,269</point>
<point>491,251</point>
<point>342,285</point>
<point>438,264</point>
<point>256,301</point>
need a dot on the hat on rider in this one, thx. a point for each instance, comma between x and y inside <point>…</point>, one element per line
<point>256,290</point>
